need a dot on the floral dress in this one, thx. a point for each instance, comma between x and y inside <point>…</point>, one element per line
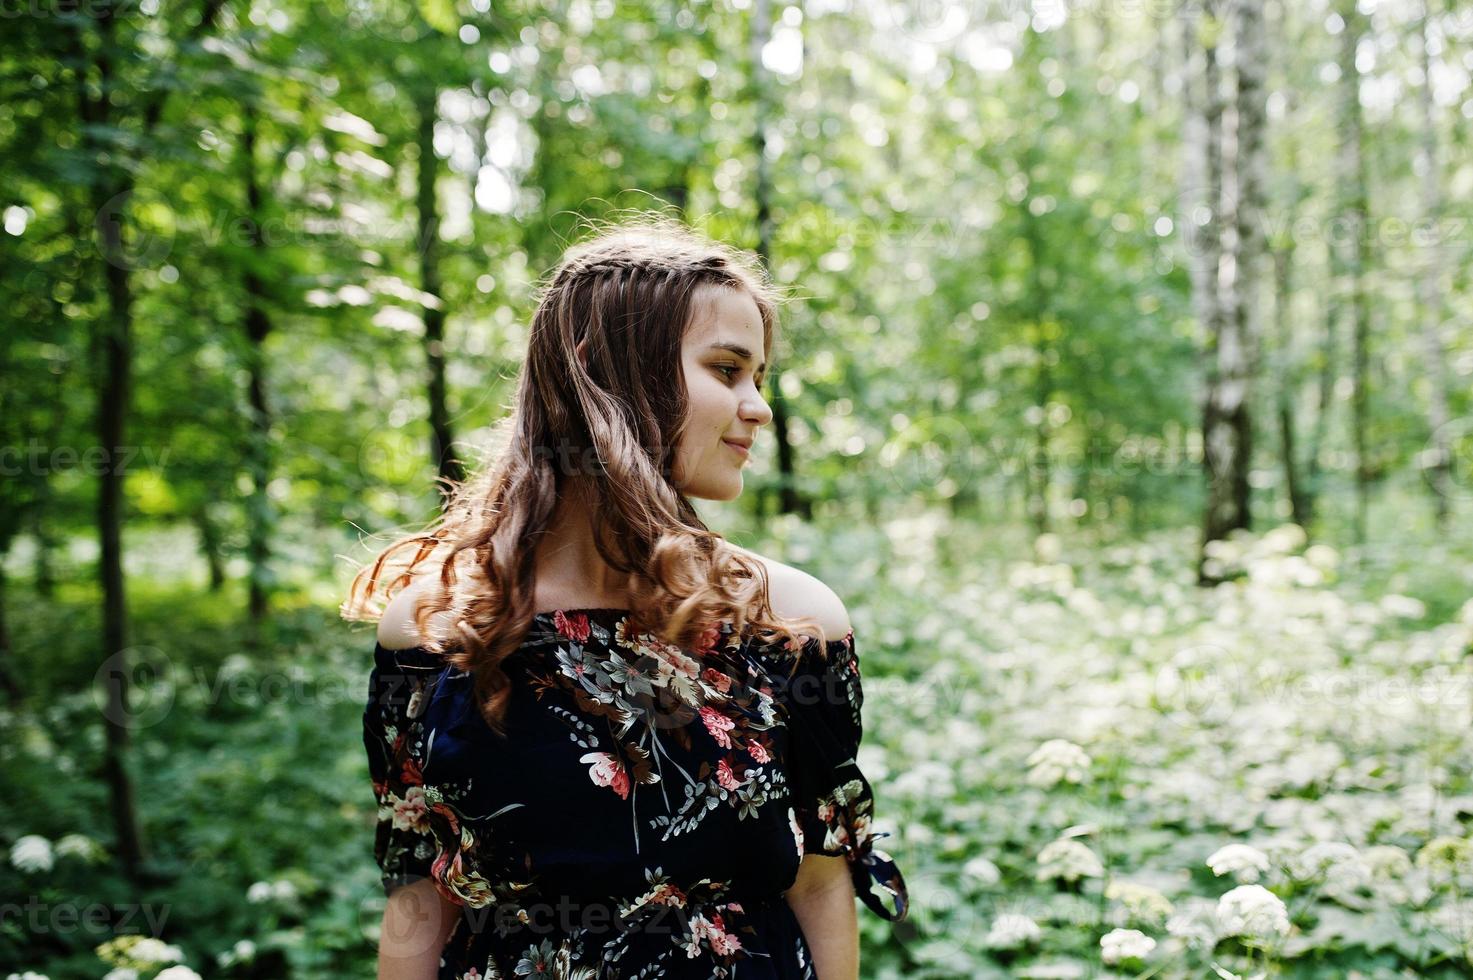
<point>646,810</point>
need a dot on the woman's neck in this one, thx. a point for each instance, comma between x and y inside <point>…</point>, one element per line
<point>569,572</point>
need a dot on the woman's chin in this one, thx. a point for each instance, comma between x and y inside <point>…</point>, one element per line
<point>728,490</point>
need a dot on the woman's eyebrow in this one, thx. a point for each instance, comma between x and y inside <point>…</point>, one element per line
<point>738,350</point>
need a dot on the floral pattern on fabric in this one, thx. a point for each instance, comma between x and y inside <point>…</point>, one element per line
<point>833,801</point>
<point>658,799</point>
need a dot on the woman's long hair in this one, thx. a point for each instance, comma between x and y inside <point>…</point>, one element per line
<point>630,293</point>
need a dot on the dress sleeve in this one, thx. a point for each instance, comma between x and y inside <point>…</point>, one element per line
<point>404,844</point>
<point>833,802</point>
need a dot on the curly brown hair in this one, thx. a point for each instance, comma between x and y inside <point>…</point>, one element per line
<point>629,292</point>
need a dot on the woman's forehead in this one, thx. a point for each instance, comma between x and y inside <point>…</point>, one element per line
<point>725,315</point>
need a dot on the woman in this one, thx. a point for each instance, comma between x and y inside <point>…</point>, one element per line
<point>599,743</point>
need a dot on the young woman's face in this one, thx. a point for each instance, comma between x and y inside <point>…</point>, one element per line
<point>721,357</point>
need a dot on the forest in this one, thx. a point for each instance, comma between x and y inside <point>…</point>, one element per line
<point>1123,391</point>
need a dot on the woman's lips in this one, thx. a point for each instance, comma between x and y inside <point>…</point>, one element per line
<point>738,447</point>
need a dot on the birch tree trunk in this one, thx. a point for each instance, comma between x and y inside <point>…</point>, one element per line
<point>1286,363</point>
<point>1438,458</point>
<point>1352,250</point>
<point>1230,435</point>
<point>1329,355</point>
<point>1202,228</point>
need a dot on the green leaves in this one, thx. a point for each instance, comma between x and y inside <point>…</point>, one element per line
<point>441,15</point>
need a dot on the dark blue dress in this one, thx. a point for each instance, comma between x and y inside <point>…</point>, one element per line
<point>646,810</point>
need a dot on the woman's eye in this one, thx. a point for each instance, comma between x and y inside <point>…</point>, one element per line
<point>728,367</point>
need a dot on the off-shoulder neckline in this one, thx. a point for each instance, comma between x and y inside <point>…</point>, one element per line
<point>550,615</point>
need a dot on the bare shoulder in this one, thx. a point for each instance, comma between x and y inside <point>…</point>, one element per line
<point>396,628</point>
<point>795,593</point>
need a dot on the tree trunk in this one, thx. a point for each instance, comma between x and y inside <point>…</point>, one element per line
<point>1238,277</point>
<point>257,327</point>
<point>1353,253</point>
<point>1438,458</point>
<point>1286,371</point>
<point>442,439</point>
<point>44,568</point>
<point>1038,470</point>
<point>111,187</point>
<point>110,192</point>
<point>790,501</point>
<point>1285,377</point>
<point>113,403</point>
<point>1310,485</point>
<point>1325,388</point>
<point>1201,224</point>
<point>209,545</point>
<point>9,675</point>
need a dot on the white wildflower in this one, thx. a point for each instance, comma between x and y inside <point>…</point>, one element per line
<point>1142,902</point>
<point>121,973</point>
<point>32,853</point>
<point>1339,864</point>
<point>1011,930</point>
<point>1252,911</point>
<point>1441,856</point>
<point>1403,606</point>
<point>1056,970</point>
<point>1454,921</point>
<point>1284,539</point>
<point>79,846</point>
<point>1243,862</point>
<point>151,950</point>
<point>259,892</point>
<point>1387,862</point>
<point>983,870</point>
<point>235,665</point>
<point>1048,547</point>
<point>1195,922</point>
<point>1230,975</point>
<point>1125,944</point>
<point>242,952</point>
<point>1057,760</point>
<point>178,973</point>
<point>1069,860</point>
<point>1322,556</point>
